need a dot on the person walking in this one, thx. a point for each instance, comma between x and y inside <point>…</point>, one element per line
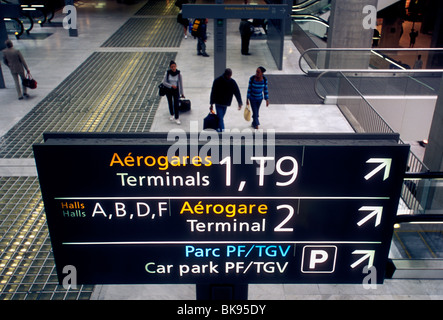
<point>257,91</point>
<point>183,21</point>
<point>223,89</point>
<point>17,65</point>
<point>201,38</point>
<point>418,63</point>
<point>413,36</point>
<point>246,30</point>
<point>174,82</point>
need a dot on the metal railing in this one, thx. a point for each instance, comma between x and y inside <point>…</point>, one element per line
<point>318,60</point>
<point>364,118</point>
<point>416,245</point>
<point>381,82</point>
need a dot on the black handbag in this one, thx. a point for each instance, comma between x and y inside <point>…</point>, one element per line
<point>211,121</point>
<point>162,89</point>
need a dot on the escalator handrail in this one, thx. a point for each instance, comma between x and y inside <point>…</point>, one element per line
<point>419,218</point>
<point>309,17</point>
<point>423,175</point>
<point>22,29</point>
<point>316,85</point>
<point>31,21</point>
<point>304,5</point>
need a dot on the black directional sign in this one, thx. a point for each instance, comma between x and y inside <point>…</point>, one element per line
<point>189,209</point>
<point>236,11</point>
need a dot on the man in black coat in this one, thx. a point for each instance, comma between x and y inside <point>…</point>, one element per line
<point>223,89</point>
<point>246,30</point>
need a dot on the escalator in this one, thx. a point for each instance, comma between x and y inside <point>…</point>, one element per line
<point>319,7</point>
<point>316,11</point>
<point>311,7</point>
<point>20,16</point>
<point>311,17</point>
<point>311,23</point>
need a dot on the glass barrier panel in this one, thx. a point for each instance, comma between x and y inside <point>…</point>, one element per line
<point>315,29</point>
<point>403,59</point>
<point>417,240</point>
<point>426,193</point>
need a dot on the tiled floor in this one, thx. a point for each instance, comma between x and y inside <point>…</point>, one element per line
<point>51,60</point>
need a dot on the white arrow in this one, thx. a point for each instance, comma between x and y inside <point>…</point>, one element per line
<point>384,163</point>
<point>367,254</point>
<point>376,211</point>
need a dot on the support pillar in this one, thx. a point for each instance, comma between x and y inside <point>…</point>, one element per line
<point>3,38</point>
<point>219,45</point>
<point>433,157</point>
<point>346,30</point>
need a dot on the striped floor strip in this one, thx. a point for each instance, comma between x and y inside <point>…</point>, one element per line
<point>109,92</point>
<point>158,8</point>
<point>147,32</point>
<point>27,269</point>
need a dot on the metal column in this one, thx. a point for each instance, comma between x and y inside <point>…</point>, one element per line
<point>219,45</point>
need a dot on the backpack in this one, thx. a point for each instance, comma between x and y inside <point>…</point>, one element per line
<point>195,27</point>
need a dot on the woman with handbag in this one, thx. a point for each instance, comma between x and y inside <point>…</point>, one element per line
<point>174,82</point>
<point>257,91</point>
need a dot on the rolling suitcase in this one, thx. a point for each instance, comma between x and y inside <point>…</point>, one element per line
<point>184,105</point>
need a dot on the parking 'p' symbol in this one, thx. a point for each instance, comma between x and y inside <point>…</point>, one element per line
<point>319,259</point>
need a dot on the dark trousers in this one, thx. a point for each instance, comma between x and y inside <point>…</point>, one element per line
<point>221,111</point>
<point>173,97</point>
<point>255,106</point>
<point>245,44</point>
<point>201,46</point>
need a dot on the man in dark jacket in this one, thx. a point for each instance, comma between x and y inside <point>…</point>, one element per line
<point>246,30</point>
<point>223,89</point>
<point>201,38</point>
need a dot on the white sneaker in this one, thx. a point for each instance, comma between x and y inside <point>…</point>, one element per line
<point>186,36</point>
<point>178,121</point>
<point>171,118</point>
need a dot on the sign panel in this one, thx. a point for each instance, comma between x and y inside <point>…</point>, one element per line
<point>235,11</point>
<point>149,210</point>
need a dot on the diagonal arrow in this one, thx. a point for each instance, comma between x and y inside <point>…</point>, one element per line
<point>376,211</point>
<point>384,163</point>
<point>367,254</point>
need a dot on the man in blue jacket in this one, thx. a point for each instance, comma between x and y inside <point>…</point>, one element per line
<point>223,89</point>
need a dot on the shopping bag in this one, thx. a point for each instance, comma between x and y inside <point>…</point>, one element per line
<point>247,113</point>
